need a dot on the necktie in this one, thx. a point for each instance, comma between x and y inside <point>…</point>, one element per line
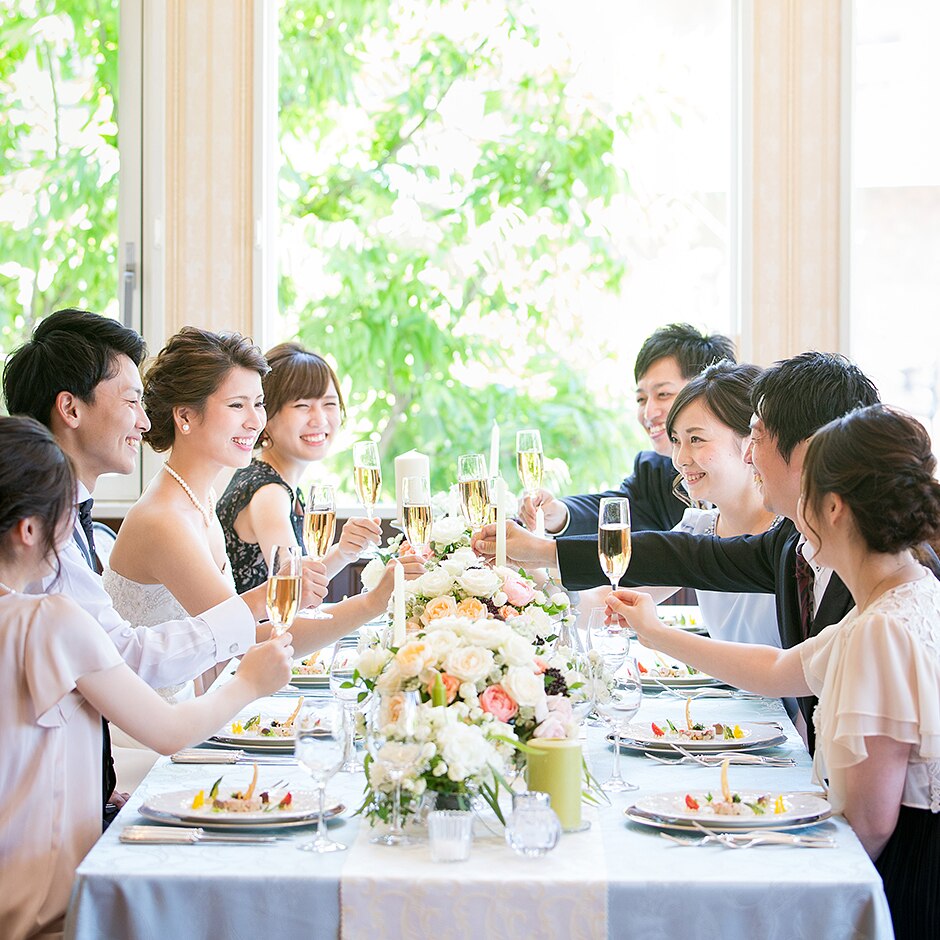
<point>108,776</point>
<point>85,521</point>
<point>804,589</point>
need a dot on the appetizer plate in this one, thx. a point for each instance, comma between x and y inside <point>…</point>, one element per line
<point>664,824</point>
<point>755,735</point>
<point>276,819</point>
<point>635,747</point>
<point>179,803</point>
<point>310,682</point>
<point>802,809</point>
<point>695,681</point>
<point>682,617</point>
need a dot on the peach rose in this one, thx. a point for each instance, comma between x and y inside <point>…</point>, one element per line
<point>540,665</point>
<point>472,608</point>
<point>451,685</point>
<point>507,612</point>
<point>443,606</point>
<point>497,702</point>
<point>518,592</point>
<point>413,657</point>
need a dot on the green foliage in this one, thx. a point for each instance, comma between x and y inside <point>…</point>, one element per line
<point>58,160</point>
<point>438,184</point>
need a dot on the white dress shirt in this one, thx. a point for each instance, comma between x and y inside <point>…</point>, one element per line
<point>162,655</point>
<point>821,575</point>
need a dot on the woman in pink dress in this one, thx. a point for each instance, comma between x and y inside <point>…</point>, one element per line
<point>59,674</point>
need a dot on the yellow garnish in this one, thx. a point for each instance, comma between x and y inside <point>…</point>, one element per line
<point>725,789</point>
<point>254,783</point>
<point>778,805</point>
<point>738,733</point>
<point>199,799</point>
<point>237,728</point>
<point>290,721</point>
<point>688,716</point>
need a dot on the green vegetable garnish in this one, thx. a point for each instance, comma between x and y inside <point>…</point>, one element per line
<point>214,792</point>
<point>254,720</point>
<point>672,727</point>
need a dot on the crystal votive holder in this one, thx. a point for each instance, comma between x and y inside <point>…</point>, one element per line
<point>450,834</point>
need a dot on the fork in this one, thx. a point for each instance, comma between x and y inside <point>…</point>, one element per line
<point>746,840</point>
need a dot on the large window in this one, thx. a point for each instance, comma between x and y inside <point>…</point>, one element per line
<point>485,207</point>
<point>895,203</point>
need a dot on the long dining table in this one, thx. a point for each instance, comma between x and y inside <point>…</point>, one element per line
<point>615,879</point>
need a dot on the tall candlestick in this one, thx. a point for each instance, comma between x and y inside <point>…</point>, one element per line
<point>398,617</point>
<point>494,451</point>
<point>410,464</point>
<point>500,521</point>
<point>540,522</point>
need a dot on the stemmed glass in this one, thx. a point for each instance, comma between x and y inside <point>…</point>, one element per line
<point>611,641</point>
<point>353,694</point>
<point>582,698</point>
<point>529,463</point>
<point>319,529</point>
<point>284,577</point>
<point>613,537</point>
<point>474,488</point>
<point>394,757</point>
<point>416,508</point>
<point>320,754</point>
<point>617,706</point>
<point>368,474</point>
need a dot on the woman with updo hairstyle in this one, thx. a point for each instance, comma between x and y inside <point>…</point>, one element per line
<point>263,505</point>
<point>869,497</point>
<point>59,674</point>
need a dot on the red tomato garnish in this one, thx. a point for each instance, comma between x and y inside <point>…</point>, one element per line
<point>656,729</point>
<point>642,668</point>
<point>285,802</point>
<point>691,802</point>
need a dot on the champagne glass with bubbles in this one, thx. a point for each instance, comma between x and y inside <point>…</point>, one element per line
<point>319,529</point>
<point>416,508</point>
<point>613,537</point>
<point>284,577</point>
<point>368,474</point>
<point>529,463</point>
<point>474,488</point>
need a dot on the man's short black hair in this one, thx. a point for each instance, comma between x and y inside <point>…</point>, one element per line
<point>691,349</point>
<point>70,351</point>
<point>795,397</point>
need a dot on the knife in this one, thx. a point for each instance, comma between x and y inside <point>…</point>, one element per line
<point>160,835</point>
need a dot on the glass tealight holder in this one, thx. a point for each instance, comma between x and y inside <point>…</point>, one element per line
<point>450,834</point>
<point>533,828</point>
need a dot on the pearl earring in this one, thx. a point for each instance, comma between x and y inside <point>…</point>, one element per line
<point>184,427</point>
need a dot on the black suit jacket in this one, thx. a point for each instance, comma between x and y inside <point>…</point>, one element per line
<point>747,564</point>
<point>653,505</point>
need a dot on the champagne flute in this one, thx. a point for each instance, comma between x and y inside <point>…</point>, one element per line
<point>416,508</point>
<point>319,529</point>
<point>474,488</point>
<point>353,694</point>
<point>394,752</point>
<point>618,705</point>
<point>319,752</point>
<point>368,474</point>
<point>284,578</point>
<point>529,461</point>
<point>613,537</point>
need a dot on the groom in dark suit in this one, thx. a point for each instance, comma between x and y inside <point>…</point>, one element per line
<point>667,360</point>
<point>791,401</point>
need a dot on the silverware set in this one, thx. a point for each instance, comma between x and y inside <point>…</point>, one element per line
<point>200,755</point>
<point>713,760</point>
<point>704,693</point>
<point>751,838</point>
<point>163,835</point>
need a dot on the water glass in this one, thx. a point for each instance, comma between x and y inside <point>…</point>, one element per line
<point>533,828</point>
<point>352,693</point>
<point>450,834</point>
<point>610,640</point>
<point>319,752</point>
<point>618,706</point>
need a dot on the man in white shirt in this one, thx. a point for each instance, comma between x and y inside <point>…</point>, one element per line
<point>78,375</point>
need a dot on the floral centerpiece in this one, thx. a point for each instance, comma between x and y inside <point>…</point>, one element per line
<point>478,654</point>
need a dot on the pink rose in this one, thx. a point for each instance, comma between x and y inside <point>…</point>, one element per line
<point>540,665</point>
<point>518,592</point>
<point>552,727</point>
<point>560,707</point>
<point>496,701</point>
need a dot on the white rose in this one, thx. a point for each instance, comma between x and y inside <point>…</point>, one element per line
<point>440,640</point>
<point>458,562</point>
<point>469,663</point>
<point>372,661</point>
<point>517,651</point>
<point>434,583</point>
<point>533,622</point>
<point>540,597</point>
<point>372,574</point>
<point>448,530</point>
<point>488,633</point>
<point>500,598</point>
<point>525,686</point>
<point>560,599</point>
<point>480,582</point>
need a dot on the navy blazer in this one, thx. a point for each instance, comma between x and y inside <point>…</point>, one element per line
<point>746,564</point>
<point>653,505</point>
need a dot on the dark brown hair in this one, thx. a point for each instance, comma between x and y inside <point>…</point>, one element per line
<point>692,349</point>
<point>296,373</point>
<point>725,389</point>
<point>192,366</point>
<point>879,461</point>
<point>36,479</point>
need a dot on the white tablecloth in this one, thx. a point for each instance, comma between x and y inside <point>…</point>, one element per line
<point>654,889</point>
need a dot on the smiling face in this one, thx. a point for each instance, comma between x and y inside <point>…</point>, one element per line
<point>778,480</point>
<point>709,455</point>
<point>655,391</point>
<point>303,430</point>
<point>231,420</point>
<point>105,437</point>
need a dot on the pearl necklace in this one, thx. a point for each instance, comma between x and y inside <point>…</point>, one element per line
<point>205,513</point>
<point>7,588</point>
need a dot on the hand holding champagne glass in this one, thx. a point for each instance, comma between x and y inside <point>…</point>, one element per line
<point>284,577</point>
<point>416,509</point>
<point>613,537</point>
<point>319,528</point>
<point>474,488</point>
<point>529,463</point>
<point>368,474</point>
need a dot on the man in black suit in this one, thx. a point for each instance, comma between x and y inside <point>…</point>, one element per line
<point>667,360</point>
<point>791,400</point>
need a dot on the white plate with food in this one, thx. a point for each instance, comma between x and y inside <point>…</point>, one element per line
<point>181,813</point>
<point>701,737</point>
<point>260,732</point>
<point>657,672</point>
<point>683,617</point>
<point>737,809</point>
<point>654,822</point>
